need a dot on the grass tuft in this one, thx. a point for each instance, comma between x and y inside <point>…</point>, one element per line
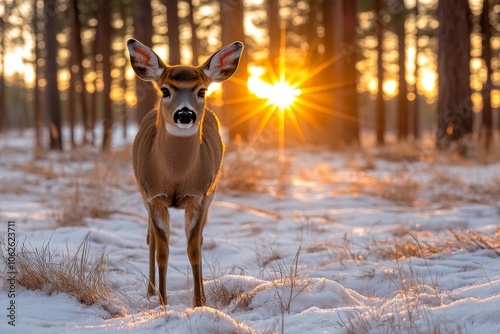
<point>78,275</point>
<point>241,172</point>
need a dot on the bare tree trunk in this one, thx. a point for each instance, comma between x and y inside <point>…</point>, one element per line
<point>52,104</point>
<point>125,107</point>
<point>37,108</point>
<point>274,31</point>
<point>402,105</point>
<point>331,129</point>
<point>416,101</point>
<point>233,30</point>
<point>72,103</point>
<point>77,62</point>
<point>454,102</point>
<point>350,134</point>
<point>143,31</point>
<point>104,44</point>
<point>3,86</point>
<point>488,86</point>
<point>194,38</point>
<point>313,57</point>
<point>93,95</point>
<point>380,105</point>
<point>174,43</point>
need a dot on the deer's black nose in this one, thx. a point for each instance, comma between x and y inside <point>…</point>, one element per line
<point>184,116</point>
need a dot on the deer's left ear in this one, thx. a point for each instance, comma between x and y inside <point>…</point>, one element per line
<point>222,64</point>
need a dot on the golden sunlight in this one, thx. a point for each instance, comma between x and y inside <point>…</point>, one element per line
<point>280,94</point>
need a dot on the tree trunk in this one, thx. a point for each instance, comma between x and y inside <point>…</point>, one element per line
<point>402,104</point>
<point>125,106</point>
<point>416,101</point>
<point>37,108</point>
<point>194,38</point>
<point>104,45</point>
<point>330,126</point>
<point>235,89</point>
<point>174,43</point>
<point>454,102</point>
<point>52,104</point>
<point>3,86</point>
<point>72,102</point>
<point>350,135</point>
<point>488,86</point>
<point>143,31</point>
<point>77,67</point>
<point>274,31</point>
<point>380,105</point>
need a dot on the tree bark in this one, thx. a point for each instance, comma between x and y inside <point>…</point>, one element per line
<point>194,38</point>
<point>174,43</point>
<point>416,101</point>
<point>487,129</point>
<point>454,101</point>
<point>72,102</point>
<point>402,103</point>
<point>143,31</point>
<point>52,104</point>
<point>104,44</point>
<point>380,105</point>
<point>77,67</point>
<point>350,135</point>
<point>231,13</point>
<point>3,86</point>
<point>331,127</point>
<point>274,31</point>
<point>37,108</point>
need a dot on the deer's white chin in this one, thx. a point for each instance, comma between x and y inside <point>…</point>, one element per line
<point>184,126</point>
<point>182,130</point>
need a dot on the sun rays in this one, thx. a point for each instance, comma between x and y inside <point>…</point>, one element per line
<point>281,95</point>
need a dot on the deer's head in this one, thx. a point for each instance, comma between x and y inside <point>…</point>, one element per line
<point>183,88</point>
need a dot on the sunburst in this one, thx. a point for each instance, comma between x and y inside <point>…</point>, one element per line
<point>285,94</point>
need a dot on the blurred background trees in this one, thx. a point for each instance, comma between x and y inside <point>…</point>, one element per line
<point>356,72</point>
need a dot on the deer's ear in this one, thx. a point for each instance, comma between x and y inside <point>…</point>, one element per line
<point>146,64</point>
<point>222,64</point>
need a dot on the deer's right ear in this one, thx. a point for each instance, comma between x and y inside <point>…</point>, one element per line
<point>146,64</point>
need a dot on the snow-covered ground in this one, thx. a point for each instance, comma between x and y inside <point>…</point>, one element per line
<point>336,243</point>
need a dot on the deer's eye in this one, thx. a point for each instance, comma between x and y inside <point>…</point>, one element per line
<point>165,92</point>
<point>201,92</point>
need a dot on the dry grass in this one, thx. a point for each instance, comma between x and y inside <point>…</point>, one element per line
<point>288,282</point>
<point>241,172</point>
<point>221,295</point>
<point>79,275</point>
<point>400,188</point>
<point>404,151</point>
<point>449,189</point>
<point>88,195</point>
<point>407,246</point>
<point>473,241</point>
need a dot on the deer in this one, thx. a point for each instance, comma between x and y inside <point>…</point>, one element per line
<point>177,154</point>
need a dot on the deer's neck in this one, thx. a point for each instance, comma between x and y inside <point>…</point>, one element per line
<point>181,152</point>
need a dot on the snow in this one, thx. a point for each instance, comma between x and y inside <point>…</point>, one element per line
<point>361,228</point>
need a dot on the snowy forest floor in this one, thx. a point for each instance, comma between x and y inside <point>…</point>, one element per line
<point>367,242</point>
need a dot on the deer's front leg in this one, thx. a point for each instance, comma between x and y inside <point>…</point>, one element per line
<point>160,224</point>
<point>151,240</point>
<point>196,217</point>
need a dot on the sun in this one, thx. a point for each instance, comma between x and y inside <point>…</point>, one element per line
<point>280,94</point>
<point>283,94</point>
